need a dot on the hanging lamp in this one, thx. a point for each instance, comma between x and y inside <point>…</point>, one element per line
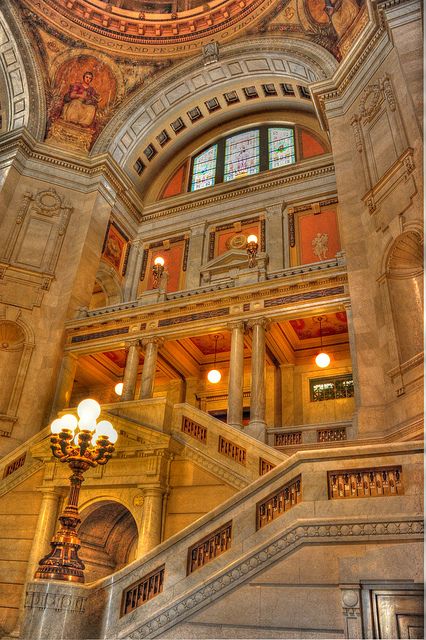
<point>322,360</point>
<point>214,376</point>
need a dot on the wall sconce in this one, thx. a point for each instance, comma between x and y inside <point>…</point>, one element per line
<point>252,247</point>
<point>157,271</point>
<point>322,360</point>
<point>214,376</point>
<point>119,388</point>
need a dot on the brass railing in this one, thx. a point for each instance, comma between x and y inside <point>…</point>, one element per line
<point>285,439</point>
<point>194,429</point>
<point>209,547</point>
<point>14,465</point>
<point>145,589</point>
<point>331,435</point>
<point>365,483</point>
<point>279,502</point>
<point>265,466</point>
<point>232,450</point>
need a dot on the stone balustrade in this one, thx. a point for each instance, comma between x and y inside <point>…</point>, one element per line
<point>313,520</point>
<point>301,436</point>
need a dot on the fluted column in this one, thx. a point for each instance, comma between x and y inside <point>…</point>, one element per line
<point>131,370</point>
<point>150,362</point>
<point>257,425</point>
<point>151,520</point>
<point>236,375</point>
<point>65,383</point>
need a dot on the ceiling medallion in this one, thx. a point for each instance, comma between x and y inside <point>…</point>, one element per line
<point>161,28</point>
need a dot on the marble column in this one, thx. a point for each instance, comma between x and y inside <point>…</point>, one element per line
<point>236,375</point>
<point>195,256</point>
<point>65,383</point>
<point>287,394</point>
<point>274,236</point>
<point>151,520</point>
<point>133,271</point>
<point>257,425</point>
<point>150,362</point>
<point>44,531</point>
<point>353,352</point>
<point>131,370</point>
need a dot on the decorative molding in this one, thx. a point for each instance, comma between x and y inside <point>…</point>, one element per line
<point>207,463</point>
<point>56,601</point>
<point>286,543</point>
<point>21,475</point>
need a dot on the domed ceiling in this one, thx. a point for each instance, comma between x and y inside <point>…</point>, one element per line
<point>94,54</point>
<point>170,28</point>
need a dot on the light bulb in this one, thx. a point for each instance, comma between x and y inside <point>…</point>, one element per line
<point>159,260</point>
<point>252,238</point>
<point>87,424</point>
<point>113,436</point>
<point>322,360</point>
<point>89,409</point>
<point>69,422</point>
<point>56,426</point>
<point>214,376</point>
<point>119,388</point>
<point>104,428</point>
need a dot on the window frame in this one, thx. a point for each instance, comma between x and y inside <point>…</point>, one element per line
<point>331,379</point>
<point>263,152</point>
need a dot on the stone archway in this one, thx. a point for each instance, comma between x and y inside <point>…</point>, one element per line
<point>404,274</point>
<point>109,538</point>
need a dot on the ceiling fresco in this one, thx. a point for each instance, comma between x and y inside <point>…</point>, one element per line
<point>95,54</point>
<point>332,324</point>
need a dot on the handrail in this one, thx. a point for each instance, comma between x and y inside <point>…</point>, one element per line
<point>241,510</point>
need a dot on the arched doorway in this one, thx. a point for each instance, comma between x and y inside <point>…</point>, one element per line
<point>109,538</point>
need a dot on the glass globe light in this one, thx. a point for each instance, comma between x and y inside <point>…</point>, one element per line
<point>119,388</point>
<point>252,238</point>
<point>159,260</point>
<point>214,376</point>
<point>69,422</point>
<point>104,428</point>
<point>87,424</point>
<point>113,436</point>
<point>322,360</point>
<point>56,426</point>
<point>89,408</point>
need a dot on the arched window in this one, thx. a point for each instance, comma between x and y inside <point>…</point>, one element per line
<point>243,154</point>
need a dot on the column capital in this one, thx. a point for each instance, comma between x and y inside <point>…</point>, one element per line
<point>158,340</point>
<point>132,343</point>
<point>235,324</point>
<point>152,491</point>
<point>263,322</point>
<point>275,209</point>
<point>52,492</point>
<point>198,229</point>
<point>71,355</point>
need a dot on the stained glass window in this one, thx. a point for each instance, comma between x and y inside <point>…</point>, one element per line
<point>280,147</point>
<point>204,169</point>
<point>242,155</point>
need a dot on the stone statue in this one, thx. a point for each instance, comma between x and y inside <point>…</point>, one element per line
<point>320,245</point>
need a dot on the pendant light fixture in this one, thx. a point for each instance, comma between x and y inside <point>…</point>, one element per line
<point>214,376</point>
<point>323,359</point>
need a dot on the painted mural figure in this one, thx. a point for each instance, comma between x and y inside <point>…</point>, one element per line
<point>341,14</point>
<point>320,245</point>
<point>80,102</point>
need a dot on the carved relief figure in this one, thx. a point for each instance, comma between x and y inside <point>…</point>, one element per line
<point>320,245</point>
<point>80,102</point>
<point>338,13</point>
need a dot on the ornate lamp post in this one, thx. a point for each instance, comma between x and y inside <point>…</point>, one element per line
<point>252,247</point>
<point>82,444</point>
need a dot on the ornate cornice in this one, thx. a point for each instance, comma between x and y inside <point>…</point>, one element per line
<point>21,146</point>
